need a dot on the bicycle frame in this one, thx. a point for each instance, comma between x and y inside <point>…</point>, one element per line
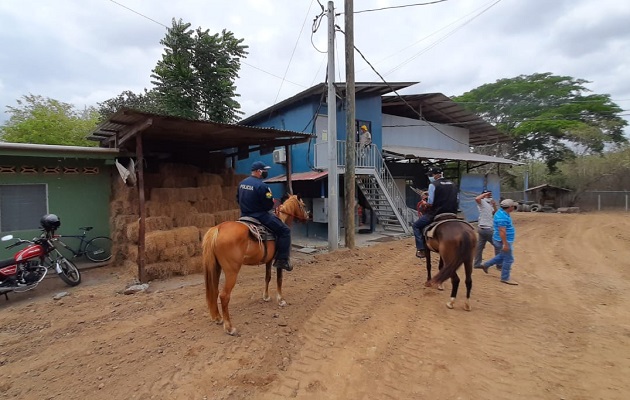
<point>83,242</point>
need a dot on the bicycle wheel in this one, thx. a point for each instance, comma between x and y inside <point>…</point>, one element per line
<point>99,249</point>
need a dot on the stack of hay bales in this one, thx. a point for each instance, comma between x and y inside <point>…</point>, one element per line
<point>182,204</point>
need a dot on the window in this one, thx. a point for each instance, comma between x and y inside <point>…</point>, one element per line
<point>22,206</point>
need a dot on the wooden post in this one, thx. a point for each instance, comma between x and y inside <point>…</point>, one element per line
<point>350,178</point>
<point>142,227</point>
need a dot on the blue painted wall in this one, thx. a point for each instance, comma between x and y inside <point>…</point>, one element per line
<point>299,117</point>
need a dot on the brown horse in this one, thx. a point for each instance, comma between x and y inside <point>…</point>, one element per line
<point>228,246</point>
<point>455,241</point>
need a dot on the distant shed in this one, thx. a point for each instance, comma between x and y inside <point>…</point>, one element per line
<point>552,196</point>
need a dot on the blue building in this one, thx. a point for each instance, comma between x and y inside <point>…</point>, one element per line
<point>409,133</point>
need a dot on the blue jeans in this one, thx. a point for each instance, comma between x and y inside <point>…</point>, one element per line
<point>418,226</point>
<point>504,259</point>
<point>282,232</point>
<point>485,236</point>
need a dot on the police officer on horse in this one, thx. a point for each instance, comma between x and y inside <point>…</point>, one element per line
<point>442,199</point>
<point>256,200</point>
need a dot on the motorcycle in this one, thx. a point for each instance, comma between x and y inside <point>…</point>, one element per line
<point>29,266</point>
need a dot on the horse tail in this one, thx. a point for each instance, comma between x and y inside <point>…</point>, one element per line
<point>211,266</point>
<point>463,252</point>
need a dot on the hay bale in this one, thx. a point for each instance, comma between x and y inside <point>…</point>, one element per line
<point>122,207</point>
<point>194,265</point>
<point>198,220</point>
<point>206,179</point>
<point>155,242</point>
<point>186,235</point>
<point>161,270</point>
<point>229,192</point>
<point>151,224</point>
<point>171,209</point>
<point>210,192</point>
<point>207,206</point>
<point>176,253</point>
<point>179,169</point>
<point>226,215</point>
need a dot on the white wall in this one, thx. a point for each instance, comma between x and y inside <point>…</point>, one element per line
<point>401,131</point>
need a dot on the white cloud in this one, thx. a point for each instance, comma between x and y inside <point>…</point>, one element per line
<point>84,53</point>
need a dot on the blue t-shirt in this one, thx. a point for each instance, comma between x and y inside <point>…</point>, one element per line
<point>502,219</point>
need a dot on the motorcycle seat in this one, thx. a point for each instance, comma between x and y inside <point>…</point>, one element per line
<point>6,263</point>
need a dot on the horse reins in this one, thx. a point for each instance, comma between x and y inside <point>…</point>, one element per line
<point>292,215</point>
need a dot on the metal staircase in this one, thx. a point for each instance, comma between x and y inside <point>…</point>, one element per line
<point>378,186</point>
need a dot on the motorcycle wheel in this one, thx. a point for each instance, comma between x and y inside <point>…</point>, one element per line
<point>69,272</point>
<point>99,249</point>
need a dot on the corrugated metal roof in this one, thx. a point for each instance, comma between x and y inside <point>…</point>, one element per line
<point>170,133</point>
<point>436,107</point>
<point>301,176</point>
<point>47,150</point>
<point>402,152</point>
<point>361,89</point>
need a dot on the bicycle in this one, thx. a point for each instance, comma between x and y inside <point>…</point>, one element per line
<point>98,249</point>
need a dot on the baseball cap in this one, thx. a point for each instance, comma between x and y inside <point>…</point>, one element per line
<point>434,170</point>
<point>259,165</point>
<point>508,203</point>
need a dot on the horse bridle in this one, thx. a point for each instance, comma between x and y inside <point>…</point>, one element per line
<point>292,215</point>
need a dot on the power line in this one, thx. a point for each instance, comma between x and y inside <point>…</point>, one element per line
<point>402,98</point>
<point>242,62</point>
<point>140,14</point>
<point>402,6</point>
<point>443,38</point>
<point>286,71</point>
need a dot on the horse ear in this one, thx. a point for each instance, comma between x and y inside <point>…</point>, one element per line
<point>299,196</point>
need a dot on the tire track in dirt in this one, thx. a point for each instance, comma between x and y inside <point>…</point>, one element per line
<point>330,326</point>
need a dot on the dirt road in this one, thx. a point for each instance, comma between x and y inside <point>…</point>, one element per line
<point>359,325</point>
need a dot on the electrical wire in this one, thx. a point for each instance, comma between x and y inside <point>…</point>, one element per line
<point>402,98</point>
<point>440,40</point>
<point>402,6</point>
<point>286,71</point>
<point>242,62</point>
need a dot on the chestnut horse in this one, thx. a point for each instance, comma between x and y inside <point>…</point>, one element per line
<point>228,246</point>
<point>455,241</point>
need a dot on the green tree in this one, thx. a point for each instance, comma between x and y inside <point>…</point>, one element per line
<point>43,120</point>
<point>195,77</point>
<point>147,101</point>
<point>549,117</point>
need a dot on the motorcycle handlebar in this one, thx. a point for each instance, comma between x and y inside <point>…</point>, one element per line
<point>22,241</point>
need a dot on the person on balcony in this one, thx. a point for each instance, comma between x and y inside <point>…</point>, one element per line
<point>365,140</point>
<point>442,199</point>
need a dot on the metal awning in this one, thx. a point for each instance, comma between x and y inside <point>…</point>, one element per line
<point>437,107</point>
<point>301,176</point>
<point>402,153</point>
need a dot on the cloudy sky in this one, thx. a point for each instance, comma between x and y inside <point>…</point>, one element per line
<point>84,52</point>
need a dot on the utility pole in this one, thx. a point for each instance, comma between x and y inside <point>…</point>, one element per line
<point>349,179</point>
<point>333,176</point>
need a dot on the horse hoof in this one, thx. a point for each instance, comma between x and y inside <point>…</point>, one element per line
<point>467,307</point>
<point>231,332</point>
<point>266,298</point>
<point>282,303</point>
<point>441,287</point>
<point>449,305</point>
<point>427,284</point>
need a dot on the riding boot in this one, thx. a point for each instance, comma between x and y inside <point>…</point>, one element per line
<point>284,264</point>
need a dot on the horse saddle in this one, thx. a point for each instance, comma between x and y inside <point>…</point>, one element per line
<point>439,219</point>
<point>257,230</point>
